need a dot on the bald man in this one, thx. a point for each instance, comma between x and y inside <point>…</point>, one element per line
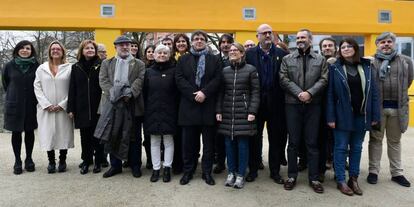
<point>266,57</point>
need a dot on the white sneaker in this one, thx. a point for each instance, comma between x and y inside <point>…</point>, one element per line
<point>239,182</point>
<point>230,180</point>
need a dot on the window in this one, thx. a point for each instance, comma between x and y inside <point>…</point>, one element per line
<point>384,16</point>
<point>249,13</point>
<point>107,10</point>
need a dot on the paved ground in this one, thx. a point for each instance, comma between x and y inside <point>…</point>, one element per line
<point>73,189</point>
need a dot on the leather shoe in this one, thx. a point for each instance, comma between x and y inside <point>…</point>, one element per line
<point>251,177</point>
<point>345,189</point>
<point>290,184</point>
<point>155,175</point>
<point>353,184</point>
<point>136,172</point>
<point>277,179</point>
<point>17,168</point>
<point>316,186</point>
<point>401,180</point>
<point>97,168</point>
<point>111,172</point>
<point>84,169</point>
<point>29,165</point>
<point>219,168</point>
<point>167,175</point>
<point>372,178</point>
<point>186,178</point>
<point>208,179</point>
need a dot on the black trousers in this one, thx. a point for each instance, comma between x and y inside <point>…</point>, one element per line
<point>177,164</point>
<point>220,149</point>
<point>90,146</point>
<point>303,121</point>
<point>277,138</point>
<point>191,147</point>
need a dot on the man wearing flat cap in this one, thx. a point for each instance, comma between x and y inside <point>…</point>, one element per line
<point>393,75</point>
<point>121,79</point>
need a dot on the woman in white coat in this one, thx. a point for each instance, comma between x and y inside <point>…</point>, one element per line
<point>51,87</point>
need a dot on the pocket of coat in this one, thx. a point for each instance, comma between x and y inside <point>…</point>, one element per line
<point>11,107</point>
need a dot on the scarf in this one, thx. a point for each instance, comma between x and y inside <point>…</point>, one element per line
<point>23,64</point>
<point>201,65</point>
<point>122,69</point>
<point>385,69</point>
<point>266,68</point>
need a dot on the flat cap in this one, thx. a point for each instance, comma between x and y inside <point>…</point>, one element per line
<point>122,39</point>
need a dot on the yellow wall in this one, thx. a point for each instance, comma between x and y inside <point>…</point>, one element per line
<point>321,16</point>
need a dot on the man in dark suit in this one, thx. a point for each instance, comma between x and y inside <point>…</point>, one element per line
<point>225,42</point>
<point>198,76</point>
<point>266,57</point>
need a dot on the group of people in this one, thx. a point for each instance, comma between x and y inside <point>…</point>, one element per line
<point>320,105</point>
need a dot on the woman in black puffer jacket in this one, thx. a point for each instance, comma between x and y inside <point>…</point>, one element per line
<point>237,106</point>
<point>161,111</point>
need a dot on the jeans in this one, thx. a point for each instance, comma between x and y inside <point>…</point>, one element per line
<point>354,140</point>
<point>156,150</point>
<point>237,164</point>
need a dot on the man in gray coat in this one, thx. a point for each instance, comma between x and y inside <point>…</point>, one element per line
<point>121,79</point>
<point>303,76</point>
<point>393,75</point>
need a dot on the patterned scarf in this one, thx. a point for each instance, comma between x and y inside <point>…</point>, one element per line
<point>385,69</point>
<point>201,65</point>
<point>266,70</point>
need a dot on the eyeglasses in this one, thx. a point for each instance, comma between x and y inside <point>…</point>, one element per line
<point>266,33</point>
<point>199,39</point>
<point>343,47</point>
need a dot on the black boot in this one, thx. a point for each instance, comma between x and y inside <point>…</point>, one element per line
<point>51,168</point>
<point>62,160</point>
<point>167,175</point>
<point>155,175</point>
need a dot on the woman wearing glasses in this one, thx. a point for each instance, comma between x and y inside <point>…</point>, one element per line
<point>237,105</point>
<point>352,108</point>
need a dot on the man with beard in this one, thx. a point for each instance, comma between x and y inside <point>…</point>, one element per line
<point>266,57</point>
<point>225,42</point>
<point>198,76</point>
<point>393,75</point>
<point>303,75</point>
<point>121,79</point>
<point>328,49</point>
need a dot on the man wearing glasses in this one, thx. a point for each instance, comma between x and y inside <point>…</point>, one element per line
<point>303,75</point>
<point>198,76</point>
<point>266,57</point>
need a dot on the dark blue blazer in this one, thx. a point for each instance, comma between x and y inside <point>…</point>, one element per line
<point>339,107</point>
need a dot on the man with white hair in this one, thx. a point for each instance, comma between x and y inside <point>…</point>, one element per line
<point>394,75</point>
<point>121,79</point>
<point>248,44</point>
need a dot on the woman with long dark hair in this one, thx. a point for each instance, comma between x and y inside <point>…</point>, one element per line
<point>149,56</point>
<point>83,102</point>
<point>352,108</point>
<point>20,102</point>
